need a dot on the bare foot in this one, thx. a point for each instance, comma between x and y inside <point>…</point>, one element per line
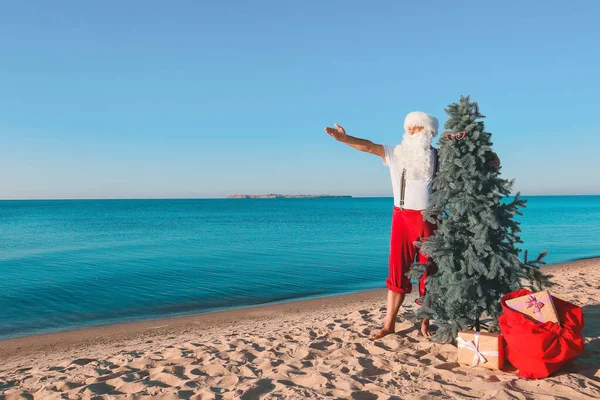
<point>425,331</point>
<point>381,333</point>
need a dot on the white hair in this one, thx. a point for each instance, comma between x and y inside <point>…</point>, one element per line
<point>414,153</point>
<point>419,118</point>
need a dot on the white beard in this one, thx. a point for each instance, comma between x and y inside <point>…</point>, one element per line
<point>414,155</point>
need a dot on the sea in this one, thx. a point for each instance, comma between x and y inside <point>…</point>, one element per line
<point>67,264</point>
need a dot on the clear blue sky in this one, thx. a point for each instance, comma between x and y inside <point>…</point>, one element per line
<point>113,99</point>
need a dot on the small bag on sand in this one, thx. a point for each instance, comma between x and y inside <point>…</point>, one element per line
<point>538,349</point>
<point>480,349</point>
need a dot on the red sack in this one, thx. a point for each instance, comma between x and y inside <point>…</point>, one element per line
<point>539,349</point>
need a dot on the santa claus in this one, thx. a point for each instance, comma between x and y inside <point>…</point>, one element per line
<point>413,164</point>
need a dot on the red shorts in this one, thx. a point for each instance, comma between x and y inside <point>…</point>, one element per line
<point>408,226</point>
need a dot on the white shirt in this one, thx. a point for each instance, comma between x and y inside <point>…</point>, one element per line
<point>417,192</point>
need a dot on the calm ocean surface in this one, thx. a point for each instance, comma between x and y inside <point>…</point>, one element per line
<point>69,264</point>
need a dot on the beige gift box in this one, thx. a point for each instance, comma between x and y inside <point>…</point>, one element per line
<point>481,349</point>
<point>537,306</point>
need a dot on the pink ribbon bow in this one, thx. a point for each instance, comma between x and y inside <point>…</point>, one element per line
<point>533,302</point>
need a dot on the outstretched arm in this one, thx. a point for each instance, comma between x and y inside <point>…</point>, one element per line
<point>339,134</point>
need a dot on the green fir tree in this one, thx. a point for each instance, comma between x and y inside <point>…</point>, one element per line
<point>475,246</point>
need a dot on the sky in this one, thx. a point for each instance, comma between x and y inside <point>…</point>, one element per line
<point>152,99</point>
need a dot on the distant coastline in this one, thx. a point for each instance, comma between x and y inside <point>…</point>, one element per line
<point>284,196</point>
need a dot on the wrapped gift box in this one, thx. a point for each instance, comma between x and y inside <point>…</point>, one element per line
<point>537,306</point>
<point>481,349</point>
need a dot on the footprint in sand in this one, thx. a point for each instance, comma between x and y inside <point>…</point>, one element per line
<point>369,368</point>
<point>134,354</point>
<point>66,386</point>
<point>131,387</point>
<point>376,350</point>
<point>286,382</point>
<point>363,395</point>
<point>197,372</point>
<point>172,353</point>
<point>168,379</point>
<point>449,366</point>
<point>313,380</point>
<point>97,388</point>
<point>361,349</point>
<point>215,370</point>
<point>185,394</point>
<point>290,339</point>
<point>175,370</point>
<point>261,387</point>
<point>248,355</point>
<point>193,384</point>
<point>247,371</point>
<point>103,372</point>
<point>141,364</point>
<point>151,383</point>
<point>228,381</point>
<point>83,361</point>
<point>300,353</point>
<point>322,345</point>
<point>382,346</point>
<point>258,348</point>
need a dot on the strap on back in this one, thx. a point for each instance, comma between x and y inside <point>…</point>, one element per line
<point>402,187</point>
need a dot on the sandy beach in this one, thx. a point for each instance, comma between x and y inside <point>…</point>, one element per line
<point>316,348</point>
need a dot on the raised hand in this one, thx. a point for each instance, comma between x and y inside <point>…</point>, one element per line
<point>338,133</point>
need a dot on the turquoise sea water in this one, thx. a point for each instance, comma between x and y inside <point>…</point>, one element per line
<point>69,264</point>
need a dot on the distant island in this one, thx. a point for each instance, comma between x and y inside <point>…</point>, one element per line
<point>284,196</point>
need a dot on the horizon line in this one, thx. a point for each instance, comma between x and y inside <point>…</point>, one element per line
<point>227,198</point>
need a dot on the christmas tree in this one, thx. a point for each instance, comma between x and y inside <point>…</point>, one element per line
<point>475,246</point>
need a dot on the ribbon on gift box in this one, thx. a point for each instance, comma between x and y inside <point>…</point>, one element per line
<point>474,346</point>
<point>532,301</point>
<point>537,305</point>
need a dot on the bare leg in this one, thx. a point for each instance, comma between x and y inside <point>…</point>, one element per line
<point>425,331</point>
<point>394,301</point>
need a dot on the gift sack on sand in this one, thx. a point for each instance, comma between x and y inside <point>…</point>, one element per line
<point>537,306</point>
<point>480,349</point>
<point>538,349</point>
